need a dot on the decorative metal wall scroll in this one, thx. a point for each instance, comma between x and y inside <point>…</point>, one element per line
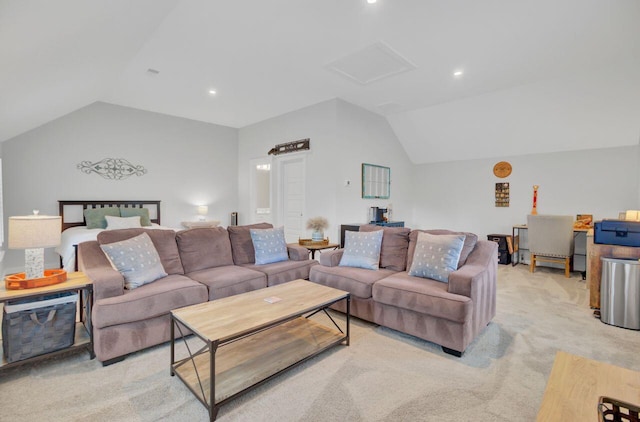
<point>502,194</point>
<point>112,168</point>
<point>300,145</point>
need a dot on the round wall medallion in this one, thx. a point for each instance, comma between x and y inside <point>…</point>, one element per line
<point>502,169</point>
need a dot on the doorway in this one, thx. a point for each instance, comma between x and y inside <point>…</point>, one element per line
<point>260,197</point>
<point>291,196</point>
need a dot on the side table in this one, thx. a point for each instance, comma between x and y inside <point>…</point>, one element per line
<point>314,248</point>
<point>76,282</point>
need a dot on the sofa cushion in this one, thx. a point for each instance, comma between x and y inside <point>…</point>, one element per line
<point>362,249</point>
<point>284,271</point>
<point>423,296</point>
<point>241,244</point>
<point>469,243</point>
<point>136,259</point>
<point>204,248</point>
<point>148,301</point>
<point>436,256</point>
<point>356,281</point>
<point>229,280</point>
<point>95,217</point>
<point>163,240</point>
<point>269,245</point>
<point>395,243</point>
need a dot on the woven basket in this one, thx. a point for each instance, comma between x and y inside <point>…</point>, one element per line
<point>40,329</point>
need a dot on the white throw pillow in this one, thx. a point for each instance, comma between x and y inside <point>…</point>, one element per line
<point>362,249</point>
<point>136,259</point>
<point>115,223</point>
<point>269,245</point>
<point>436,256</point>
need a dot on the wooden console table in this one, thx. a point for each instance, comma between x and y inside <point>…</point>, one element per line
<point>594,267</point>
<point>576,385</point>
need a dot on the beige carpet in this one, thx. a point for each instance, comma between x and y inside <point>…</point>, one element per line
<point>383,376</point>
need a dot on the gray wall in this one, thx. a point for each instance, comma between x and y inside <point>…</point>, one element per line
<point>191,163</point>
<point>343,136</point>
<point>460,194</point>
<point>188,163</point>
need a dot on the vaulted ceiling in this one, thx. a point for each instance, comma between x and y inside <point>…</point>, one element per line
<point>544,75</point>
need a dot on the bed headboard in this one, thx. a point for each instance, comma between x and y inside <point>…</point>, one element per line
<point>72,212</point>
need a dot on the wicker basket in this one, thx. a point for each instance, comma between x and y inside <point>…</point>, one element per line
<point>34,327</point>
<point>310,242</point>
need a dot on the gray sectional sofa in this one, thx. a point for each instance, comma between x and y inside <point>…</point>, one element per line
<point>201,264</point>
<point>449,314</point>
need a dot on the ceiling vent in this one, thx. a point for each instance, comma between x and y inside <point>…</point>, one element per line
<point>371,64</point>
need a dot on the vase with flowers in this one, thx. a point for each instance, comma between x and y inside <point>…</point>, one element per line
<point>317,225</point>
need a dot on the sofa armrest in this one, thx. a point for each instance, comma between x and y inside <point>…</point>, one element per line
<point>331,258</point>
<point>478,275</point>
<point>107,282</point>
<point>298,253</point>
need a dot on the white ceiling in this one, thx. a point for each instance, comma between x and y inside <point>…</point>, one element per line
<point>266,58</point>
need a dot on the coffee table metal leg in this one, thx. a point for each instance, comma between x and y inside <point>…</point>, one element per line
<point>173,344</point>
<point>348,317</point>
<point>213,408</point>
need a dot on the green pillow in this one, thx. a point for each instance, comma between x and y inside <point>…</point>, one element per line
<point>134,212</point>
<point>95,216</point>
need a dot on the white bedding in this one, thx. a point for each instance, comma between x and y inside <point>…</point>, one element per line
<point>75,235</point>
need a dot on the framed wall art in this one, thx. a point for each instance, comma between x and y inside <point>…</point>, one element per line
<point>502,194</point>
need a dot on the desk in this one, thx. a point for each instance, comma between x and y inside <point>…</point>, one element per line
<point>521,251</point>
<point>594,269</point>
<point>576,384</point>
<point>314,248</point>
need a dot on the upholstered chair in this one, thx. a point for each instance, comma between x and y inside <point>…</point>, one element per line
<point>551,239</point>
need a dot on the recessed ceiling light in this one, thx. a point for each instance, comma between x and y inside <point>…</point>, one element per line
<point>371,1</point>
<point>458,73</point>
<point>212,91</point>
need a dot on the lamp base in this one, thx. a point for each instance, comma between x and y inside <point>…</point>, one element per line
<point>20,281</point>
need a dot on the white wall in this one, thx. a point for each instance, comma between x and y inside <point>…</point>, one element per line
<point>460,195</point>
<point>188,163</point>
<point>343,136</point>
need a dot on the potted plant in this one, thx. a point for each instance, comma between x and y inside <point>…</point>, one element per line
<point>317,224</point>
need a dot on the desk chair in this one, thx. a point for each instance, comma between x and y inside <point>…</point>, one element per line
<point>551,239</point>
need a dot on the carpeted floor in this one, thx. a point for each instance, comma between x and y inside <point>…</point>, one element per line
<point>383,376</point>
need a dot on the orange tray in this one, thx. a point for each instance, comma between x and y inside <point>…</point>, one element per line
<point>19,281</point>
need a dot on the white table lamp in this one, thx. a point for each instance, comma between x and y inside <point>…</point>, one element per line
<point>203,210</point>
<point>33,233</point>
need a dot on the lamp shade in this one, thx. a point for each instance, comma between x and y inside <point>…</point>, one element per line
<point>34,231</point>
<point>202,209</point>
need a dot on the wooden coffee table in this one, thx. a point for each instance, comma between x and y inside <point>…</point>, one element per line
<point>252,337</point>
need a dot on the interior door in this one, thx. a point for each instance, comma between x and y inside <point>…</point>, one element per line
<point>292,182</point>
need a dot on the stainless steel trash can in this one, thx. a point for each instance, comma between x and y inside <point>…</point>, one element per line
<point>620,293</point>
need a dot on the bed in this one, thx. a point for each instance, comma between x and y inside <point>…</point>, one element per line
<point>74,229</point>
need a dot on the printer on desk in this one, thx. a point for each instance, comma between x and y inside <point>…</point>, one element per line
<point>617,232</point>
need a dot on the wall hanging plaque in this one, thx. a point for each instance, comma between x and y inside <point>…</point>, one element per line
<point>112,168</point>
<point>502,169</point>
<point>300,145</point>
<point>502,194</point>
